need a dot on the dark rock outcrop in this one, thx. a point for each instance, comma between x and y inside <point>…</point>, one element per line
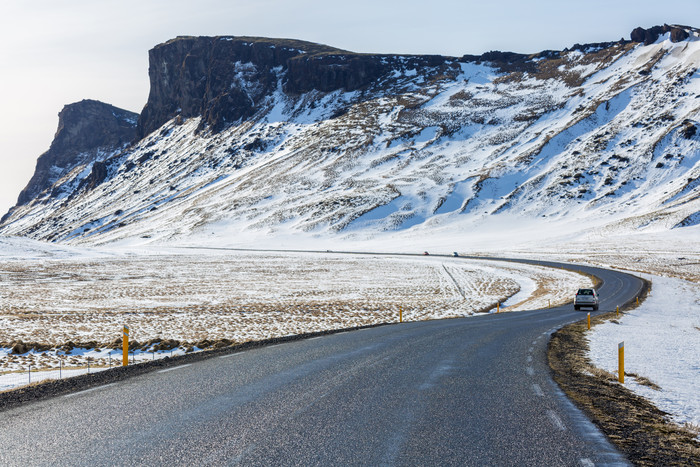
<point>678,34</point>
<point>689,129</point>
<point>97,175</point>
<point>331,72</point>
<point>651,35</point>
<point>85,129</point>
<point>218,78</point>
<point>223,79</point>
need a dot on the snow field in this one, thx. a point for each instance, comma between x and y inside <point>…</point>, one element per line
<point>74,302</point>
<point>662,344</point>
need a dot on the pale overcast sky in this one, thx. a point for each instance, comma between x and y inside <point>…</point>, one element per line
<point>56,52</point>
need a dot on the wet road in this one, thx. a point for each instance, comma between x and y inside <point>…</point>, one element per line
<point>472,391</point>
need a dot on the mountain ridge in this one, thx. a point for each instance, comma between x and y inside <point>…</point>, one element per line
<point>191,76</point>
<point>264,137</point>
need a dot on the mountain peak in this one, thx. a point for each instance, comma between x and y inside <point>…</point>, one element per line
<point>84,129</point>
<point>651,35</point>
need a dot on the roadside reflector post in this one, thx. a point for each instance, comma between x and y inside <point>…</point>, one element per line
<point>621,362</point>
<point>617,311</point>
<point>589,320</point>
<point>637,301</point>
<point>498,307</point>
<point>125,345</point>
<point>549,303</point>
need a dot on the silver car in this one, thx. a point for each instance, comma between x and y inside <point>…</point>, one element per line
<point>586,298</point>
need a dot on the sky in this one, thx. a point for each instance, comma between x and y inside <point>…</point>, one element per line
<point>56,52</point>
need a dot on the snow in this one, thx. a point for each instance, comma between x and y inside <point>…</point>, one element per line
<point>409,158</point>
<point>662,343</point>
<point>107,358</point>
<point>193,294</point>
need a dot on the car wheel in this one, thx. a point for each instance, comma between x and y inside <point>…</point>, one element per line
<point>576,307</point>
<point>595,308</point>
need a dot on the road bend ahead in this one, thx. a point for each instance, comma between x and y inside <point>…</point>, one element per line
<point>473,391</point>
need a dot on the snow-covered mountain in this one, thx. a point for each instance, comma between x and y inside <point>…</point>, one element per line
<point>264,136</point>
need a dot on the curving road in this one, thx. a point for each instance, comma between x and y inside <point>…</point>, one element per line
<point>472,391</point>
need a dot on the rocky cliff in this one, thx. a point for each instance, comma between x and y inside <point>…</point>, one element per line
<point>248,134</point>
<point>224,79</point>
<point>651,35</point>
<point>87,130</point>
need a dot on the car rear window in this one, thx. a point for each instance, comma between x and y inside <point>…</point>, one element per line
<point>584,292</point>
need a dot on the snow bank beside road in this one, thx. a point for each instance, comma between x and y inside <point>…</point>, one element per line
<point>662,343</point>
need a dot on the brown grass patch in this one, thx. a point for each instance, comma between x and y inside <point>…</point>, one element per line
<point>692,427</point>
<point>644,381</point>
<point>602,374</point>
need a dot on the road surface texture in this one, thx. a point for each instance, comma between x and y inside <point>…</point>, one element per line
<point>471,391</point>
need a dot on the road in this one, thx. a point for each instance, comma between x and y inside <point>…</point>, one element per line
<point>472,391</point>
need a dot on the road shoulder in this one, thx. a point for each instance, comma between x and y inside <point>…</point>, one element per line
<point>645,434</point>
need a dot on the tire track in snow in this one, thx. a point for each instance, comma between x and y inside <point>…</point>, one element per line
<point>456,284</point>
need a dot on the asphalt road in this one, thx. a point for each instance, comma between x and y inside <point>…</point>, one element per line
<point>472,391</point>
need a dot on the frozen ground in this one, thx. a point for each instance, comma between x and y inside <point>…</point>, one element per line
<point>64,364</point>
<point>71,304</point>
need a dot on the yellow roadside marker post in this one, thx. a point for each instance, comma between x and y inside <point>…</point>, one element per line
<point>125,345</point>
<point>621,362</point>
<point>400,314</point>
<point>589,320</point>
<point>617,311</point>
<point>498,307</point>
<point>637,301</point>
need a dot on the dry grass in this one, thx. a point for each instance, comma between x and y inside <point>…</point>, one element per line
<point>644,381</point>
<point>692,428</point>
<point>602,374</point>
<point>216,299</point>
<point>222,299</point>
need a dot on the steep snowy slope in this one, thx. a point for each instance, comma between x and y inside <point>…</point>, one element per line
<point>601,136</point>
